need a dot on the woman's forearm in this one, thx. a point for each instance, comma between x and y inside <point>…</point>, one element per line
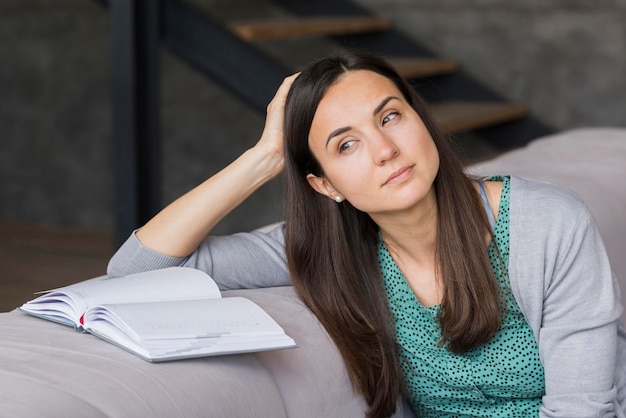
<point>179,228</point>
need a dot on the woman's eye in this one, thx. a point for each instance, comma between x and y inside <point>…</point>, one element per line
<point>391,116</point>
<point>344,146</point>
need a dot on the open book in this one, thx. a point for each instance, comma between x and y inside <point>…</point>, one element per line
<point>160,315</point>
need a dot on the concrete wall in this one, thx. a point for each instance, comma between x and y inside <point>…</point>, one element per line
<point>54,113</point>
<point>566,59</point>
<point>55,116</point>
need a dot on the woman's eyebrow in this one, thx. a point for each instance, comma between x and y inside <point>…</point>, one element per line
<point>337,132</point>
<point>378,108</point>
<point>383,104</point>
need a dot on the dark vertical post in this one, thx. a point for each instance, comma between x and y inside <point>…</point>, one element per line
<point>135,33</point>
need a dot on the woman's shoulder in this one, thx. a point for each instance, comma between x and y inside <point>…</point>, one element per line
<point>542,211</point>
<point>536,195</point>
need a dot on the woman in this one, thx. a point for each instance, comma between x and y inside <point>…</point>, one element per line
<point>478,298</point>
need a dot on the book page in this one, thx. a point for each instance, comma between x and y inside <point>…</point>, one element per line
<point>186,319</point>
<point>175,283</point>
<point>182,329</point>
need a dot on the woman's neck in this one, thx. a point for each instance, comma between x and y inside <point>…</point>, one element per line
<point>412,233</point>
<point>411,241</point>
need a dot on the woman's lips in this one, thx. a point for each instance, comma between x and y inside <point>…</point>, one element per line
<point>398,176</point>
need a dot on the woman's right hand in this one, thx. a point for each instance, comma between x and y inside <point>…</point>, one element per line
<point>271,141</point>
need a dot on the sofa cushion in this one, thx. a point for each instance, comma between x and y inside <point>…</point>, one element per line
<point>47,369</point>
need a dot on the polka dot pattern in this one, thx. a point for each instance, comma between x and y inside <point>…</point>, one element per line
<point>503,378</point>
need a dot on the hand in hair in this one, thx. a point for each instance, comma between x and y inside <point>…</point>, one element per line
<point>272,137</point>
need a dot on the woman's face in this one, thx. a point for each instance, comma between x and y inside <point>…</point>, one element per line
<point>373,147</point>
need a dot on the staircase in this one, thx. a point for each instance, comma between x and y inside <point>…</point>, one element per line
<point>454,116</point>
<point>458,103</point>
<point>227,49</point>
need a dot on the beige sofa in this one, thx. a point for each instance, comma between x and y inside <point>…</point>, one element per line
<point>48,370</point>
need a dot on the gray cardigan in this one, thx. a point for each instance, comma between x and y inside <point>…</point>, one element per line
<point>559,273</point>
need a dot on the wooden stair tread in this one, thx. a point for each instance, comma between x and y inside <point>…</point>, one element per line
<point>257,29</point>
<point>410,67</point>
<point>455,117</point>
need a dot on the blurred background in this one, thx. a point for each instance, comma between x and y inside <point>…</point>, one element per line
<point>563,60</point>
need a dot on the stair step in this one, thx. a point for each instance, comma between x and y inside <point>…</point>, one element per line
<point>410,67</point>
<point>456,117</point>
<point>257,29</point>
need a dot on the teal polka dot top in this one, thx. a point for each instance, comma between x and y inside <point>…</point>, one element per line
<point>503,378</point>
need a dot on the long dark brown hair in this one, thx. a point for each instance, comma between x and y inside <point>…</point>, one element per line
<point>332,248</point>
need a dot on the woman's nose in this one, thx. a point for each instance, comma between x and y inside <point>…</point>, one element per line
<point>384,149</point>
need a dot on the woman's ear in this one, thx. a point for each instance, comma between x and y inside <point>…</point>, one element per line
<point>322,186</point>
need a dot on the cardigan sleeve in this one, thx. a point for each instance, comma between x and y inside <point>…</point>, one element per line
<point>563,281</point>
<point>239,261</point>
